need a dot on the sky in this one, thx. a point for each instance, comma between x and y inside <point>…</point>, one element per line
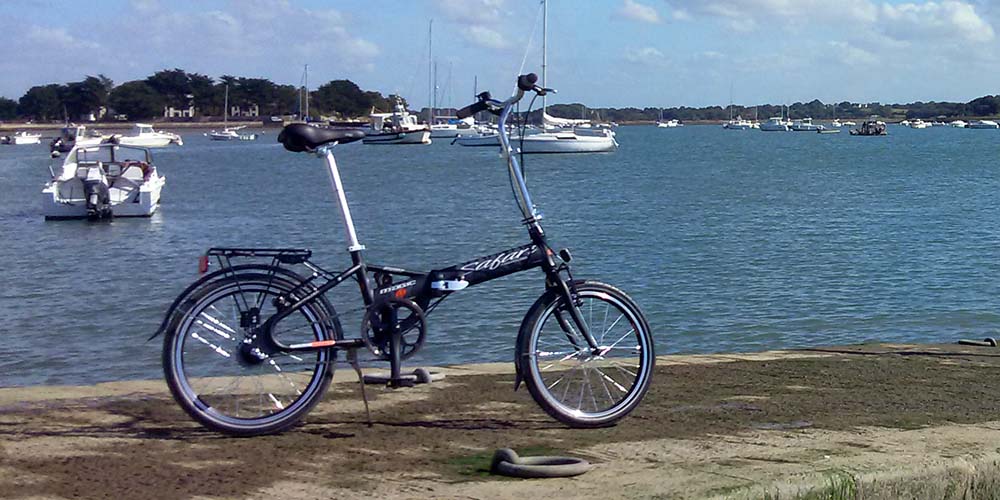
<point>604,53</point>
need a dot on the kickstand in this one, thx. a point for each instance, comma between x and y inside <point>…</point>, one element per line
<point>352,357</point>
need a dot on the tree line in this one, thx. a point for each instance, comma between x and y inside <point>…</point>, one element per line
<point>148,98</point>
<point>987,106</point>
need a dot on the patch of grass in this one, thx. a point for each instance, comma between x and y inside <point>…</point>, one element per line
<point>840,485</point>
<point>726,491</point>
<point>477,466</point>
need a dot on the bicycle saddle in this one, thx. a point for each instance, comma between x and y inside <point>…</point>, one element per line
<point>299,137</point>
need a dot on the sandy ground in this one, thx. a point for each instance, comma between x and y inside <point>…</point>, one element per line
<point>874,421</point>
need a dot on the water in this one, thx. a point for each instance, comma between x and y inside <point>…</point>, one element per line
<point>730,241</point>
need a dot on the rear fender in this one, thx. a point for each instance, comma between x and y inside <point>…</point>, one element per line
<point>219,274</point>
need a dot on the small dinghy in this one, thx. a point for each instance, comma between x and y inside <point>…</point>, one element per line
<point>101,182</point>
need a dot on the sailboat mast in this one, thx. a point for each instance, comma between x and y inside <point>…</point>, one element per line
<point>545,34</point>
<point>430,76</point>
<point>225,109</point>
<point>305,88</point>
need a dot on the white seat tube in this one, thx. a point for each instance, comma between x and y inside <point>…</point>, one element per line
<point>345,211</point>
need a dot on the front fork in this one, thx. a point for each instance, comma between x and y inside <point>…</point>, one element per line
<point>577,327</point>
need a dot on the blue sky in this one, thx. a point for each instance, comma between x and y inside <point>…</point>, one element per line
<point>601,52</point>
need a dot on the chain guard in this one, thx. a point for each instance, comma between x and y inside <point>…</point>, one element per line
<point>409,319</point>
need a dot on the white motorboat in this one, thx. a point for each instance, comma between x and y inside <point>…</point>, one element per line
<point>805,125</point>
<point>958,124</point>
<point>103,181</point>
<point>918,123</point>
<point>23,138</point>
<point>836,123</point>
<point>905,123</point>
<point>146,137</point>
<point>398,127</point>
<point>669,124</point>
<point>848,124</point>
<point>774,124</point>
<point>73,136</point>
<point>982,124</point>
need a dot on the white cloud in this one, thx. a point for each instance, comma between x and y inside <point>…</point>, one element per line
<point>942,20</point>
<point>58,39</point>
<point>476,12</point>
<point>639,12</point>
<point>853,56</point>
<point>484,37</point>
<point>646,56</point>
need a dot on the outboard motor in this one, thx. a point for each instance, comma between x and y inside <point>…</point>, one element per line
<point>95,189</point>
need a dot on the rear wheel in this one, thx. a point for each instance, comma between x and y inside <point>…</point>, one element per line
<point>226,383</point>
<point>573,383</point>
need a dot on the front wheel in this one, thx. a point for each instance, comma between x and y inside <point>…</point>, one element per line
<point>573,383</point>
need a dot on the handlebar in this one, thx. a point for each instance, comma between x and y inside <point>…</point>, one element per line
<point>525,83</point>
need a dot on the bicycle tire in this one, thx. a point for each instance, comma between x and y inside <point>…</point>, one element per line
<point>220,345</point>
<point>619,389</point>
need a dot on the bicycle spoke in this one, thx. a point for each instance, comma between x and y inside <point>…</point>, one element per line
<point>217,349</point>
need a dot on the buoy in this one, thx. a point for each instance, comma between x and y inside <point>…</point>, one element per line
<point>506,462</point>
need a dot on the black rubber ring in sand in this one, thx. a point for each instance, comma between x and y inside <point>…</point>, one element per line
<point>507,463</point>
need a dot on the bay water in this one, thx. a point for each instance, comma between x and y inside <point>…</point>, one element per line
<point>731,241</point>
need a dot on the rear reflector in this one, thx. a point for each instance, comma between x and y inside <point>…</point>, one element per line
<point>203,264</point>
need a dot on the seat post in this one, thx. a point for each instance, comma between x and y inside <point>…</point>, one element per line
<point>338,189</point>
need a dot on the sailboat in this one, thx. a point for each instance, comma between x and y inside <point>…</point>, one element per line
<point>567,140</point>
<point>669,123</point>
<point>229,133</point>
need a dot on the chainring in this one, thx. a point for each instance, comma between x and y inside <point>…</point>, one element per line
<point>409,319</point>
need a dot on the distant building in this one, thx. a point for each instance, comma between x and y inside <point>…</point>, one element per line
<point>93,116</point>
<point>184,112</point>
<point>251,111</point>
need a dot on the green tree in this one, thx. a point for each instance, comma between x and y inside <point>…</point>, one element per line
<point>41,102</point>
<point>342,98</point>
<point>8,109</point>
<point>137,99</point>
<point>174,85</point>
<point>208,98</point>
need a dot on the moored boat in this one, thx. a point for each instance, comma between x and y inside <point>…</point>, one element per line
<point>23,138</point>
<point>805,125</point>
<point>983,124</point>
<point>596,141</point>
<point>870,127</point>
<point>102,182</point>
<point>398,127</point>
<point>774,124</point>
<point>146,137</point>
<point>72,136</point>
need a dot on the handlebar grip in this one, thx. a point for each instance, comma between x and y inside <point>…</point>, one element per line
<point>471,110</point>
<point>527,82</point>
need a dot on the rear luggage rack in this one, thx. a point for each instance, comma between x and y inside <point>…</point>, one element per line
<point>283,255</point>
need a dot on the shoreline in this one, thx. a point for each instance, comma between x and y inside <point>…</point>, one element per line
<point>860,421</point>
